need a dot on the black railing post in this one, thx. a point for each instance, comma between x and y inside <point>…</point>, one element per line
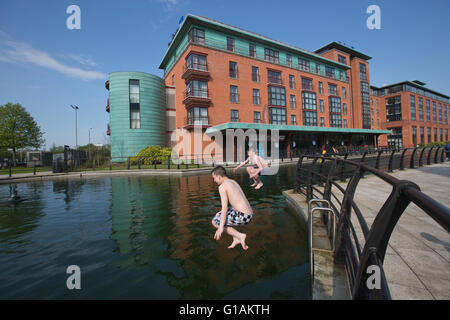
<point>128,165</point>
<point>139,163</point>
<point>110,164</point>
<point>327,189</point>
<point>442,155</point>
<point>411,162</point>
<point>436,155</point>
<point>344,216</point>
<point>93,165</point>
<point>168,162</point>
<point>297,187</point>
<point>378,237</point>
<point>377,164</point>
<point>343,179</point>
<point>154,162</point>
<point>198,163</point>
<point>421,157</point>
<point>429,156</point>
<point>402,162</point>
<point>309,182</point>
<point>34,171</point>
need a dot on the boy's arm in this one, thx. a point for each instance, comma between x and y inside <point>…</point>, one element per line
<point>223,214</point>
<point>241,164</point>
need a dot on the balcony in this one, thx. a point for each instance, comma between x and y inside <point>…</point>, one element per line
<point>107,106</point>
<point>107,85</point>
<point>196,96</point>
<point>108,132</point>
<point>196,70</point>
<point>274,80</point>
<point>307,87</point>
<point>196,121</point>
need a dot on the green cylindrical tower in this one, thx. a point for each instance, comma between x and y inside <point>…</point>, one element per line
<point>137,103</point>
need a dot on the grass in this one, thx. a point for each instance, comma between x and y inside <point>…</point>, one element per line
<point>17,170</point>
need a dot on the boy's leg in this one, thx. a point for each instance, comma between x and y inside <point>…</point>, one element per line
<point>250,171</point>
<point>238,237</point>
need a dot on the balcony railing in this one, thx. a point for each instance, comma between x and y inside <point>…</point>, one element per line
<point>274,80</point>
<point>197,93</point>
<point>107,106</point>
<point>196,121</point>
<point>108,131</point>
<point>308,87</point>
<point>196,66</point>
<point>107,84</point>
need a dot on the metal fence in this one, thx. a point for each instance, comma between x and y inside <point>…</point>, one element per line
<point>317,177</point>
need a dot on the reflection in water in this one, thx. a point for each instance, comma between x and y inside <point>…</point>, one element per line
<point>151,237</point>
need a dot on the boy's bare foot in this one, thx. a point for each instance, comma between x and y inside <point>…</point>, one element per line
<point>242,241</point>
<point>259,186</point>
<point>254,184</point>
<point>235,242</point>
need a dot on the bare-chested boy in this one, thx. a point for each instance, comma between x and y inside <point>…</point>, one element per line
<point>240,213</point>
<point>258,167</point>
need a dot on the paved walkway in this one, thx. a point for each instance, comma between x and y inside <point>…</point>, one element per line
<point>417,262</point>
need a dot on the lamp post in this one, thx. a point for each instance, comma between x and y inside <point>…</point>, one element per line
<point>76,133</point>
<point>89,150</point>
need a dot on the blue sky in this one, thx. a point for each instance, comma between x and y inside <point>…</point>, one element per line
<point>47,67</point>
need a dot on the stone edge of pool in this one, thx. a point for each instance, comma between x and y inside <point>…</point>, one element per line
<point>330,280</point>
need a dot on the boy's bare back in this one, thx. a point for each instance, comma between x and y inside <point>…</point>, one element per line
<point>236,196</point>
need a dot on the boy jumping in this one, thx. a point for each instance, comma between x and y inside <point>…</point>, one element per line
<point>240,212</point>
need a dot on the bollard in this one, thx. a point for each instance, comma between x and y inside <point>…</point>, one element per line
<point>128,165</point>
<point>168,162</point>
<point>436,155</point>
<point>429,156</point>
<point>139,163</point>
<point>421,157</point>
<point>34,171</point>
<point>402,163</point>
<point>10,169</point>
<point>391,161</point>
<point>377,164</point>
<point>110,164</point>
<point>411,162</point>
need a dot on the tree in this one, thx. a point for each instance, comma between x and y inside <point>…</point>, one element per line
<point>18,129</point>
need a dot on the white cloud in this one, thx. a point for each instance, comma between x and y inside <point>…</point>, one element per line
<point>84,61</point>
<point>21,52</point>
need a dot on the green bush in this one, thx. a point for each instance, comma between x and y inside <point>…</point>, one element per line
<point>151,154</point>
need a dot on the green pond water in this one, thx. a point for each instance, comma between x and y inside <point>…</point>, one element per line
<point>148,237</point>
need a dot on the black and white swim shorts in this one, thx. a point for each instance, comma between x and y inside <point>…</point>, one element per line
<point>234,218</point>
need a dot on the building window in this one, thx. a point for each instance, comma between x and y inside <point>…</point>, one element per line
<point>309,101</point>
<point>196,62</point>
<point>233,70</point>
<point>335,120</point>
<point>256,117</point>
<point>396,138</point>
<point>255,74</point>
<point>441,135</point>
<point>234,115</point>
<point>256,99</point>
<point>413,108</point>
<point>303,64</point>
<point>322,121</point>
<point>329,71</point>
<point>277,115</point>
<point>198,116</point>
<point>293,105</point>
<point>344,93</point>
<point>420,109</point>
<point>230,44</point>
<point>393,109</point>
<point>317,68</point>
<point>332,89</point>
<point>427,104</point>
<point>342,59</point>
<point>135,110</point>
<point>434,111</point>
<point>422,135</point>
<point>173,80</point>
<point>234,95</point>
<point>294,120</point>
<point>362,71</point>
<point>320,87</point>
<point>440,113</point>
<point>197,36</point>
<point>307,84</point>
<point>445,114</point>
<point>321,105</point>
<point>277,96</point>
<point>289,60</point>
<point>309,118</point>
<point>271,55</point>
<point>429,134</point>
<point>274,77</point>
<point>365,115</point>
<point>335,104</point>
<point>344,109</point>
<point>414,135</point>
<point>345,123</point>
<point>365,87</point>
<point>252,50</point>
<point>446,134</point>
<point>291,81</point>
<point>196,88</point>
<point>435,134</point>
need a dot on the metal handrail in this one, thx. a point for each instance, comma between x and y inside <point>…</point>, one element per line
<point>348,250</point>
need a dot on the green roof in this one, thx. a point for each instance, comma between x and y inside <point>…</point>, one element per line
<point>310,129</point>
<point>220,26</point>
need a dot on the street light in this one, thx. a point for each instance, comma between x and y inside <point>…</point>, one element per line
<point>89,150</point>
<point>76,133</point>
